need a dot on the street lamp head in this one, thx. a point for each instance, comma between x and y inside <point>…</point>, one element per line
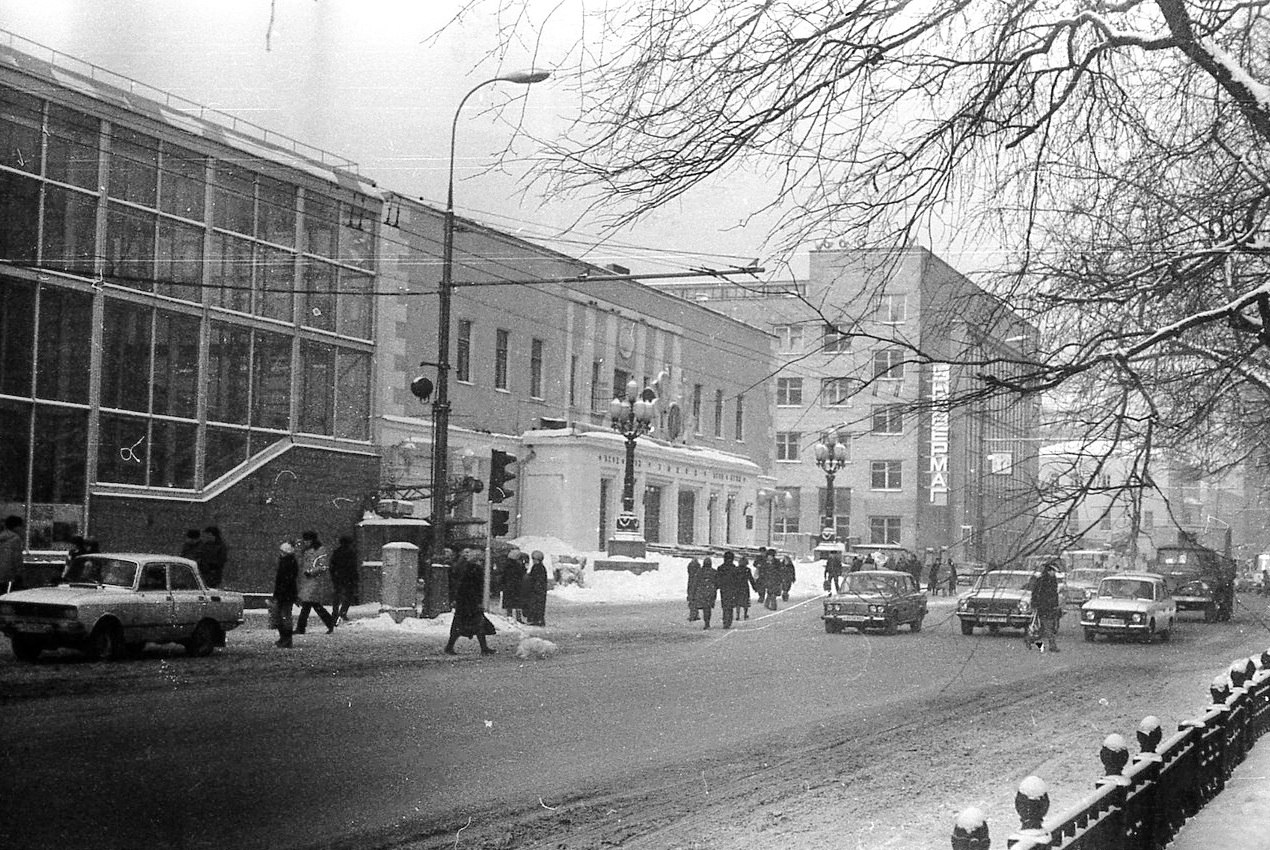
<point>617,409</point>
<point>821,451</point>
<point>839,452</point>
<point>644,411</point>
<point>525,78</point>
<point>632,390</point>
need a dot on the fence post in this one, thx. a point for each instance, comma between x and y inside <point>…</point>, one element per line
<point>1032,802</point>
<point>970,831</point>
<point>1155,819</point>
<point>1114,755</point>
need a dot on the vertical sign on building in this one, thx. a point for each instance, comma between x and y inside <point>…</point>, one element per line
<point>939,390</point>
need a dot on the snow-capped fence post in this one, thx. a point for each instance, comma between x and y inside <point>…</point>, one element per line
<point>1219,689</point>
<point>1032,802</point>
<point>970,831</point>
<point>1149,736</point>
<point>1114,755</point>
<point>1154,817</point>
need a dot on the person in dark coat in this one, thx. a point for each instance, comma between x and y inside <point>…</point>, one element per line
<point>773,581</point>
<point>469,612</point>
<point>704,590</point>
<point>952,578</point>
<point>833,572</point>
<point>192,548</point>
<point>760,561</point>
<point>215,556</point>
<point>788,576</point>
<point>285,593</point>
<point>1048,608</point>
<point>515,575</point>
<point>693,567</point>
<point>535,595</point>
<point>932,586</point>
<point>728,577</point>
<point>744,582</point>
<point>314,582</point>
<point>343,577</point>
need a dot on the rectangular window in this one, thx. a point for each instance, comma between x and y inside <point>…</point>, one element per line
<point>697,391</point>
<point>319,282</point>
<point>835,392</point>
<point>125,356</point>
<point>172,453</point>
<point>352,394</point>
<point>58,463</point>
<point>179,270</point>
<point>888,364</point>
<point>21,117</point>
<point>319,225</point>
<point>234,198</point>
<point>620,379</point>
<point>72,145</point>
<point>597,400</point>
<point>888,419</point>
<point>502,344</point>
<point>70,230</point>
<point>19,217</point>
<point>228,356</point>
<point>790,338</point>
<point>1148,519</point>
<point>123,451</point>
<point>893,309</point>
<point>353,305</point>
<point>15,424</point>
<point>834,341</point>
<point>739,424</point>
<point>884,529</point>
<point>275,219</point>
<point>134,167</point>
<point>357,234</point>
<point>535,369</point>
<point>573,380</point>
<point>786,507</point>
<point>317,388</point>
<point>175,365</point>
<point>230,271</point>
<point>718,413</point>
<point>271,381</point>
<point>17,341</point>
<point>182,182</point>
<point>787,443</point>
<point>276,270</point>
<point>463,352</point>
<point>885,475</point>
<point>789,392</point>
<point>61,362</point>
<point>130,247</point>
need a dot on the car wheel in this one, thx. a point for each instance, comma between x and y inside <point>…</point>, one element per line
<point>1090,635</point>
<point>833,627</point>
<point>967,627</point>
<point>891,626</point>
<point>106,642</point>
<point>25,648</point>
<point>203,641</point>
<point>916,625</point>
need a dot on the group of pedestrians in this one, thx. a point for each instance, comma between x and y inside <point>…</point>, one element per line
<point>309,575</point>
<point>207,549</point>
<point>731,582</point>
<point>523,581</point>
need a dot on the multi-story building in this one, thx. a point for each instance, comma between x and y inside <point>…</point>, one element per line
<point>883,354</point>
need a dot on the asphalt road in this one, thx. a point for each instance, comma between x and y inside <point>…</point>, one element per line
<point>643,730</point>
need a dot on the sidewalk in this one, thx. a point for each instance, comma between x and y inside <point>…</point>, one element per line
<point>1239,817</point>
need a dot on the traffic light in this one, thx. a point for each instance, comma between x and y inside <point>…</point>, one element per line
<point>498,520</point>
<point>499,475</point>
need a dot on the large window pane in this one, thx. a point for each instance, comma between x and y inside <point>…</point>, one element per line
<point>180,256</point>
<point>271,381</point>
<point>125,356</point>
<point>20,119</point>
<point>61,453</point>
<point>275,221</point>
<point>19,217</point>
<point>17,337</point>
<point>229,352</point>
<point>134,167</point>
<point>354,305</point>
<point>172,453</point>
<point>233,200</point>
<point>65,343</point>
<point>277,284</point>
<point>357,232</point>
<point>15,425</point>
<point>130,247</point>
<point>231,272</point>
<point>70,230</point>
<point>124,450</point>
<point>175,365</point>
<point>72,147</point>
<point>183,181</point>
<point>318,226</point>
<point>317,394</point>
<point>319,283</point>
<point>226,448</point>
<point>352,394</point>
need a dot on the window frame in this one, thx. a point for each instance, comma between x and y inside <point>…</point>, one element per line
<point>886,475</point>
<point>789,392</point>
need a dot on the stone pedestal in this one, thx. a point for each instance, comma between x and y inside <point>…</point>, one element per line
<point>630,565</point>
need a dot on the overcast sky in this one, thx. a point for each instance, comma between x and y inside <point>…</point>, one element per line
<point>364,79</point>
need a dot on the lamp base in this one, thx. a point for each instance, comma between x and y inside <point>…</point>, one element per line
<point>626,545</point>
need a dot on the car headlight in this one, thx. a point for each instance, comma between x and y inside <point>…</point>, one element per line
<point>1025,605</point>
<point>1087,616</point>
<point>963,604</point>
<point>1137,616</point>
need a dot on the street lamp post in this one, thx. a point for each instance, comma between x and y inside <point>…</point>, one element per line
<point>441,403</point>
<point>631,416</point>
<point>831,456</point>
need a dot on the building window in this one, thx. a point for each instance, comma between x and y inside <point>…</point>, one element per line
<point>885,475</point>
<point>1104,522</point>
<point>787,443</point>
<point>888,419</point>
<point>834,341</point>
<point>718,413</point>
<point>835,392</point>
<point>1148,519</point>
<point>740,419</point>
<point>573,380</point>
<point>535,369</point>
<point>697,391</point>
<point>888,364</point>
<point>620,379</point>
<point>463,352</point>
<point>789,392</point>
<point>884,529</point>
<point>787,506</point>
<point>790,337</point>
<point>893,309</point>
<point>502,342</point>
<point>598,402</point>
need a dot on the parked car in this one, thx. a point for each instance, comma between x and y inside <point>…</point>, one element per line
<point>108,604</point>
<point>1130,605</point>
<point>875,599</point>
<point>1082,585</point>
<point>998,598</point>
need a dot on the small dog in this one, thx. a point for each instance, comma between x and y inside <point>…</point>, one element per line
<point>535,647</point>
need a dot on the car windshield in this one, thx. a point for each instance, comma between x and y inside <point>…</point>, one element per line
<point>111,571</point>
<point>1005,581</point>
<point>1085,576</point>
<point>1126,588</point>
<point>865,583</point>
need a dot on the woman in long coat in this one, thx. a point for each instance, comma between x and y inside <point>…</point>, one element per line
<point>693,566</point>
<point>285,593</point>
<point>514,587</point>
<point>469,598</point>
<point>535,595</point>
<point>703,590</point>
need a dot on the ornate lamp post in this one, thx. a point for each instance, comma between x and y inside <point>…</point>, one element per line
<point>631,416</point>
<point>831,456</point>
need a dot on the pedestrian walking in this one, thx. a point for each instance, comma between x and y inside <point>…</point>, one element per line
<point>535,599</point>
<point>759,587</point>
<point>285,593</point>
<point>730,577</point>
<point>745,583</point>
<point>952,578</point>
<point>833,573</point>
<point>788,576</point>
<point>703,590</point>
<point>215,556</point>
<point>11,553</point>
<point>693,567</point>
<point>932,585</point>
<point>344,567</point>
<point>192,548</point>
<point>312,584</point>
<point>515,576</point>
<point>1047,609</point>
<point>469,618</point>
<point>769,579</point>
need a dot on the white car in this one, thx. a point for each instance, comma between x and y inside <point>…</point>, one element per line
<point>1130,605</point>
<point>109,604</point>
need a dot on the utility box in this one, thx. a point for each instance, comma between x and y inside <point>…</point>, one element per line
<point>397,580</point>
<point>436,598</point>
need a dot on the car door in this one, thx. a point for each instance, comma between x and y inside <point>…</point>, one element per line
<point>151,616</point>
<point>189,600</point>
